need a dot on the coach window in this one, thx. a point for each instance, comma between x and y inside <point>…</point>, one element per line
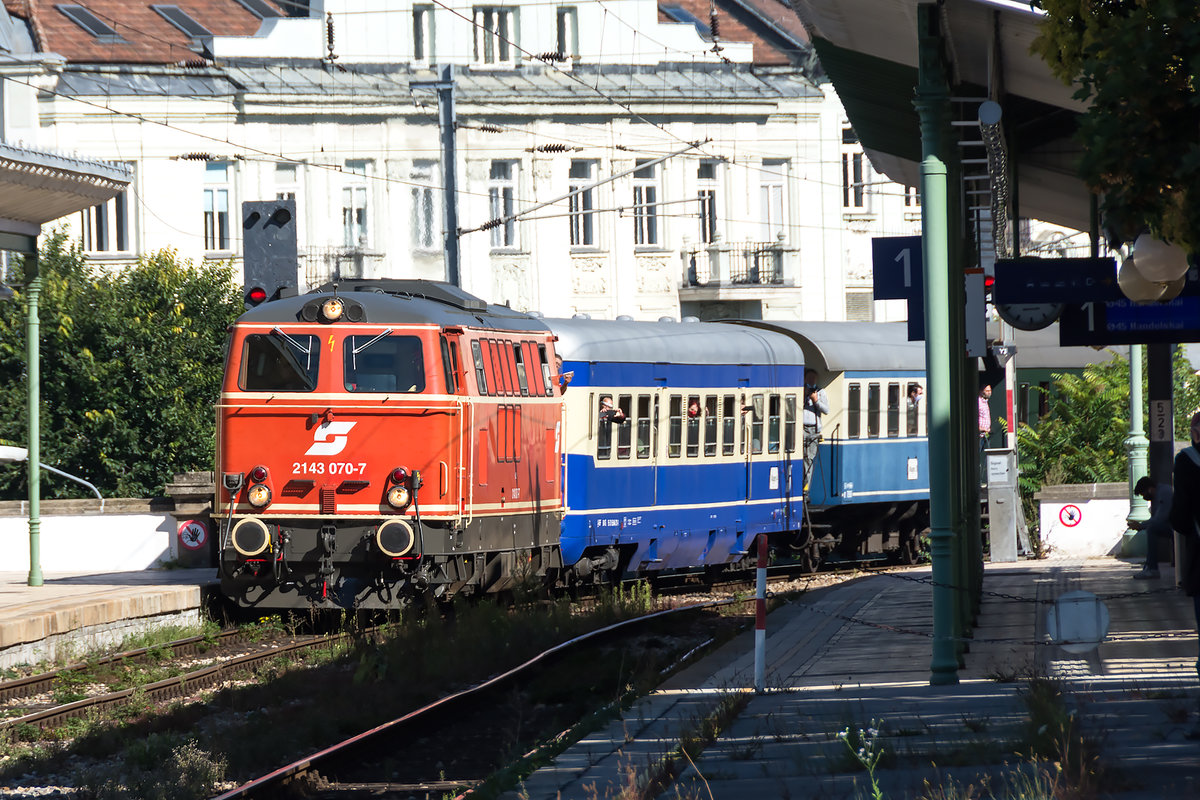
<point>643,426</point>
<point>893,410</point>
<point>549,385</point>
<point>480,377</point>
<point>605,430</point>
<point>675,427</point>
<point>383,363</point>
<point>624,432</point>
<point>853,411</point>
<point>728,426</point>
<point>448,368</point>
<point>756,426</point>
<point>710,425</point>
<point>693,426</point>
<point>789,423</point>
<point>522,378</point>
<point>279,362</point>
<point>913,408</point>
<point>773,424</point>
<point>873,410</point>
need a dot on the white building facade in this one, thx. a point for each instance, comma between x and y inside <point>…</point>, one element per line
<point>608,163</point>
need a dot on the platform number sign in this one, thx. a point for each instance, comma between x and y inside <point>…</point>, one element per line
<point>1161,427</point>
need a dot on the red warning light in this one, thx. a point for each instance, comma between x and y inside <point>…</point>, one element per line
<point>989,281</point>
<point>256,295</point>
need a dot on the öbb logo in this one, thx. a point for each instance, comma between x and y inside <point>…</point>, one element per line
<point>329,438</point>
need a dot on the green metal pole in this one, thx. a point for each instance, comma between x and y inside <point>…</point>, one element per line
<point>1136,445</point>
<point>33,335</point>
<point>932,104</point>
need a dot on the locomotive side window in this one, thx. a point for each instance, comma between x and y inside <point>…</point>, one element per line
<point>854,411</point>
<point>773,424</point>
<point>675,427</point>
<point>728,426</point>
<point>789,423</point>
<point>693,426</point>
<point>448,368</point>
<point>756,426</point>
<point>893,409</point>
<point>383,363</point>
<point>624,432</point>
<point>545,370</point>
<point>480,377</point>
<point>489,361</point>
<point>519,360</point>
<point>643,426</point>
<point>529,353</point>
<point>279,362</point>
<point>710,425</point>
<point>873,410</point>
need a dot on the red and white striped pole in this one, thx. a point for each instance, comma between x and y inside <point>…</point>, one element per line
<point>760,617</point>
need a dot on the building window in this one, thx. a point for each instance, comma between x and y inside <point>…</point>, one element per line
<point>260,8</point>
<point>912,196</point>
<point>97,27</point>
<point>771,199</point>
<point>286,184</point>
<point>183,21</point>
<point>355,218</point>
<point>502,189</point>
<point>423,33</point>
<point>424,205</point>
<point>645,205</point>
<point>568,32</point>
<point>854,193</point>
<point>216,206</point>
<point>860,306</point>
<point>706,182</point>
<point>495,36</point>
<point>583,203</point>
<point>106,226</point>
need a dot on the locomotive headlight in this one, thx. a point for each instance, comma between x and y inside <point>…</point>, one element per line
<point>398,496</point>
<point>332,309</point>
<point>259,495</point>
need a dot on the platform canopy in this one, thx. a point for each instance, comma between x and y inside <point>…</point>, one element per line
<point>37,187</point>
<point>869,50</point>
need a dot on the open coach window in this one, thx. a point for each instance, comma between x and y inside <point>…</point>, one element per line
<point>384,363</point>
<point>279,362</point>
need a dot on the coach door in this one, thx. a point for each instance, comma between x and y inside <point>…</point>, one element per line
<point>646,408</point>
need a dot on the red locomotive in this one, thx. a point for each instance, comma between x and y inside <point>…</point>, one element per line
<point>378,439</point>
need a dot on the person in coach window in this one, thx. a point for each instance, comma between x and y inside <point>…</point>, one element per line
<point>816,405</point>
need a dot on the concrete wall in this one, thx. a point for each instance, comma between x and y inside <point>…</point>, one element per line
<point>76,537</point>
<point>1083,520</point>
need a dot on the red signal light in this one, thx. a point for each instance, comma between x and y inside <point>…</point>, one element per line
<point>399,475</point>
<point>989,281</point>
<point>256,295</point>
<point>258,474</point>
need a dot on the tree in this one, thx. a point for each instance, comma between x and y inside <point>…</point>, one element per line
<point>131,366</point>
<point>1136,63</point>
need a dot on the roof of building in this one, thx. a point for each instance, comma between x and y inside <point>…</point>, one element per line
<point>138,33</point>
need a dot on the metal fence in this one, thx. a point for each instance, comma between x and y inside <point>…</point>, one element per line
<point>737,263</point>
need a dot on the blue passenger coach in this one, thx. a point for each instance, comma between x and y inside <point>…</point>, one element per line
<point>870,486</point>
<point>702,462</point>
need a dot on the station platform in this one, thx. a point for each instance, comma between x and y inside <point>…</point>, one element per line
<point>857,657</point>
<point>73,614</point>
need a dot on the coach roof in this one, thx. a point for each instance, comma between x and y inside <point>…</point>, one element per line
<point>853,346</point>
<point>620,341</point>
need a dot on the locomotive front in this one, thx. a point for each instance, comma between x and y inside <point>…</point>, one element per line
<point>338,450</point>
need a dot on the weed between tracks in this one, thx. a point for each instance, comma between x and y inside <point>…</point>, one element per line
<point>294,705</point>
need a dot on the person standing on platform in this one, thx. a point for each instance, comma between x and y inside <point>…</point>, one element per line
<point>816,405</point>
<point>985,416</point>
<point>1185,518</point>
<point>1159,524</point>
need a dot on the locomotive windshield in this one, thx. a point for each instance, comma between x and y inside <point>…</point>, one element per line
<point>279,362</point>
<point>384,363</point>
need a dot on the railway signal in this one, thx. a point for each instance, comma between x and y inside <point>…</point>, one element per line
<point>270,256</point>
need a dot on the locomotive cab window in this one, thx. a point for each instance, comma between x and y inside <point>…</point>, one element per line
<point>546,382</point>
<point>279,362</point>
<point>448,367</point>
<point>522,378</point>
<point>383,363</point>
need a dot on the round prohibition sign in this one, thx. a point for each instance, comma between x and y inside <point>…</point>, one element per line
<point>1070,515</point>
<point>193,533</point>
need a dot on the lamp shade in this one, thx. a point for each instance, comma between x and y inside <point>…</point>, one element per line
<point>1159,261</point>
<point>1172,289</point>
<point>1134,285</point>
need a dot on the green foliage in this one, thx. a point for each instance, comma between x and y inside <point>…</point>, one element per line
<point>130,370</point>
<point>1082,437</point>
<point>1135,63</point>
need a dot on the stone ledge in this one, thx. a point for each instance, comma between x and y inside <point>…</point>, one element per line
<point>1082,492</point>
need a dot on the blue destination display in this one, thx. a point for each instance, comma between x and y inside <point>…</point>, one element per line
<point>1126,322</point>
<point>1055,280</point>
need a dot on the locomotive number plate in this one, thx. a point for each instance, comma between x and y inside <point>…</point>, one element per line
<point>331,468</point>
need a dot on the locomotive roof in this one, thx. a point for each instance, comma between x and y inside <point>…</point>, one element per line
<point>670,342</point>
<point>853,346</point>
<point>400,302</point>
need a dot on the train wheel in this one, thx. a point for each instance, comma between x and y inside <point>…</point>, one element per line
<point>810,559</point>
<point>908,553</point>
